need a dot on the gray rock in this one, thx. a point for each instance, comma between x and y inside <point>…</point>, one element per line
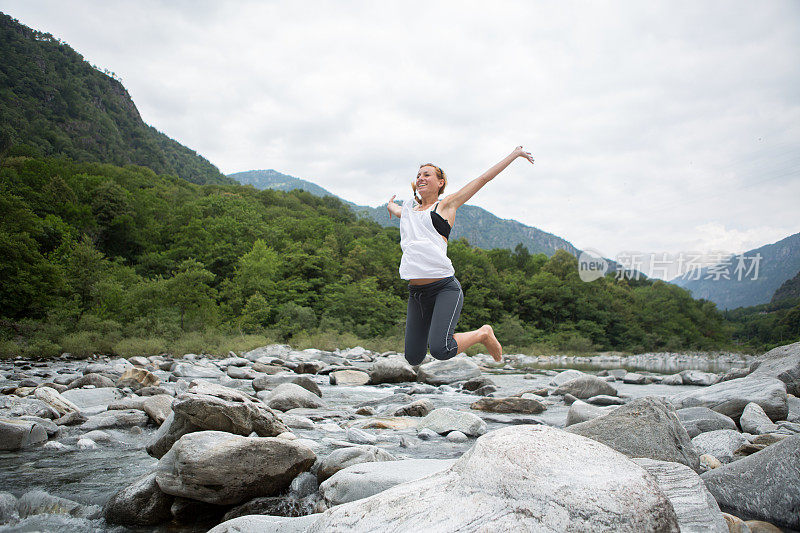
<point>359,436</point>
<point>8,508</point>
<point>15,406</point>
<point>49,426</point>
<point>116,419</point>
<point>137,378</point>
<point>696,508</point>
<point>695,377</point>
<point>86,444</point>
<point>581,411</point>
<point>158,407</point>
<point>344,457</point>
<point>445,420</point>
<point>765,485</point>
<point>782,363</point>
<point>673,379</point>
<point>265,524</point>
<point>226,469</point>
<point>129,402</point>
<point>87,398</point>
<point>271,381</point>
<point>511,404</point>
<point>730,397</point>
<point>522,478</point>
<point>720,443</point>
<point>238,372</point>
<point>699,420</point>
<point>567,375</point>
<point>139,504</point>
<point>394,369</point>
<point>418,408</point>
<point>170,431</point>
<point>754,420</point>
<point>449,371</point>
<point>646,427</point>
<point>71,419</point>
<point>97,381</point>
<point>348,377</point>
<point>189,370</point>
<point>363,480</point>
<point>37,501</point>
<point>273,350</point>
<point>633,378</point>
<point>16,434</point>
<point>457,437</point>
<point>585,386</point>
<point>289,396</point>
<point>426,434</point>
<point>605,399</point>
<point>793,403</point>
<point>55,400</point>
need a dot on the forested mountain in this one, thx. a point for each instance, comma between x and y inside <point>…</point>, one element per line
<point>788,289</point>
<point>479,227</point>
<point>53,102</point>
<point>93,254</point>
<point>779,261</point>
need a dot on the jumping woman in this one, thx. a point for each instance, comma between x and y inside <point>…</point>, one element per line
<point>435,297</point>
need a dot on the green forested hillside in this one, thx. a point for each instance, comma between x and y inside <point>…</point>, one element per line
<point>54,102</point>
<point>94,255</point>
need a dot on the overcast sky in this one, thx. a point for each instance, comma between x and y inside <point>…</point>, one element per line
<point>656,126</point>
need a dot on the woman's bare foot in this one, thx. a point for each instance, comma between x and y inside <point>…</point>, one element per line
<point>492,344</point>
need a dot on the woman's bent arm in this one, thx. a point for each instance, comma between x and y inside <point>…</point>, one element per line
<point>460,197</point>
<point>393,208</point>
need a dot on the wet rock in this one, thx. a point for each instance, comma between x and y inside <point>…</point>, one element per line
<point>731,397</point>
<point>509,405</point>
<point>754,420</point>
<point>695,377</point>
<point>226,469</point>
<point>523,478</point>
<point>37,501</point>
<point>141,503</point>
<point>136,378</point>
<point>765,485</point>
<point>158,407</point>
<point>699,420</point>
<point>449,371</point>
<point>580,411</point>
<point>16,434</point>
<point>55,400</point>
<point>696,508</point>
<point>445,420</point>
<point>363,480</point>
<point>266,524</point>
<point>289,396</point>
<point>646,427</point>
<point>97,381</point>
<point>348,377</point>
<point>585,386</point>
<point>721,443</point>
<point>344,457</point>
<point>116,419</point>
<point>418,408</point>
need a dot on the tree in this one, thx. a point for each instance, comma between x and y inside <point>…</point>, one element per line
<point>189,290</point>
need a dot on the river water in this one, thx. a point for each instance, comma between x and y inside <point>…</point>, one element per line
<point>90,477</point>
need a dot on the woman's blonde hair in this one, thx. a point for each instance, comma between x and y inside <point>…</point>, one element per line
<point>439,174</point>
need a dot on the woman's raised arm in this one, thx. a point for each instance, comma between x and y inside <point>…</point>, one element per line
<point>393,208</point>
<point>460,197</point>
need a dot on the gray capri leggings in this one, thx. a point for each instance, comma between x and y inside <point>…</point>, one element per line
<point>433,311</point>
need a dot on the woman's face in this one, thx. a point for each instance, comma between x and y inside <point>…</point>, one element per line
<point>427,181</point>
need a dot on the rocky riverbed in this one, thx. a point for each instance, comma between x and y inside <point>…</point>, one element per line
<point>282,440</point>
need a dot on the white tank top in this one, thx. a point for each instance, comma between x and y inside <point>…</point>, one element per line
<point>424,249</point>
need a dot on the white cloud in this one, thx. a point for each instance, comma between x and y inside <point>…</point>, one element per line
<point>656,127</point>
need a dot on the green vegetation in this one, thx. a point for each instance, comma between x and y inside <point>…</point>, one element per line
<point>54,102</point>
<point>97,258</point>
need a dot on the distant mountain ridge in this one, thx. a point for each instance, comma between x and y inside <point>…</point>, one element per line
<point>55,103</point>
<point>780,261</point>
<point>480,227</point>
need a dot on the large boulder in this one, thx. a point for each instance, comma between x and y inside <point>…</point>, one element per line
<point>444,420</point>
<point>646,427</point>
<point>362,480</point>
<point>172,429</point>
<point>731,397</point>
<point>16,434</point>
<point>290,396</point>
<point>394,369</point>
<point>696,508</point>
<point>765,485</point>
<point>522,478</point>
<point>586,386</point>
<point>721,443</point>
<point>344,457</point>
<point>141,503</point>
<point>782,363</point>
<point>226,469</point>
<point>449,371</point>
<point>699,420</point>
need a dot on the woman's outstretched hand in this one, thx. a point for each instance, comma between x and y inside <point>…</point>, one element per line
<point>520,152</point>
<point>390,204</point>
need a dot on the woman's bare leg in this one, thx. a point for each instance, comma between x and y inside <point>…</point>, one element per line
<point>483,335</point>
